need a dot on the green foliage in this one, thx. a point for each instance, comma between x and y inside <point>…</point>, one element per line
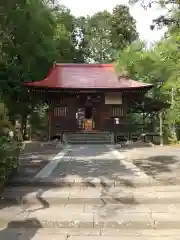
<point>27,30</point>
<point>104,33</point>
<point>159,66</point>
<point>39,122</point>
<point>37,33</point>
<point>168,18</point>
<point>9,155</point>
<point>5,124</point>
<point>9,151</point>
<point>34,34</point>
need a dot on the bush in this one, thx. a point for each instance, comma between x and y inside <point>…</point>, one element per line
<point>9,157</point>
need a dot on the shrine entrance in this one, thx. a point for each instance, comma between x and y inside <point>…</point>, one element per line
<point>85,118</point>
<point>88,121</point>
<point>88,113</point>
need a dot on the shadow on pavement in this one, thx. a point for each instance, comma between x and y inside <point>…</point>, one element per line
<point>18,229</point>
<point>84,164</point>
<point>87,165</point>
<point>160,165</point>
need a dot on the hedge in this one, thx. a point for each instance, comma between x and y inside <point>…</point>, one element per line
<point>9,157</point>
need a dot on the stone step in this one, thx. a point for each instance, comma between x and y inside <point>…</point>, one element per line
<point>87,142</point>
<point>85,195</point>
<point>78,182</point>
<point>90,138</point>
<point>76,216</point>
<point>99,133</point>
<point>40,146</point>
<point>87,234</point>
<point>86,136</point>
<point>89,135</point>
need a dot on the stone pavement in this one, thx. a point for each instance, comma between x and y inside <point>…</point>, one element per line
<point>90,192</point>
<point>97,165</point>
<point>35,157</point>
<point>160,163</point>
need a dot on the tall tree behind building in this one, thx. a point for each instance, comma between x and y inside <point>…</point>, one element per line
<point>104,33</point>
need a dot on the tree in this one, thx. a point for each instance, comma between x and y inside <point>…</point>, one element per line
<point>28,48</point>
<point>34,34</point>
<point>67,48</point>
<point>168,19</point>
<point>123,28</point>
<point>104,33</point>
<point>160,66</point>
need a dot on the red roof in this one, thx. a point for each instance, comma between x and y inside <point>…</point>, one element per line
<point>85,76</point>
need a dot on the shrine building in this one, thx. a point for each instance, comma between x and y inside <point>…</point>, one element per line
<point>91,99</point>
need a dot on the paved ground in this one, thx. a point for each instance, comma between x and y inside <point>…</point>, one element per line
<point>93,192</point>
<point>160,163</point>
<point>35,157</point>
<point>95,164</point>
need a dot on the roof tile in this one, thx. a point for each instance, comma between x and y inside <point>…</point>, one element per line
<point>86,76</point>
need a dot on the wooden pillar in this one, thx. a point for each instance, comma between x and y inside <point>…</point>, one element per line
<point>143,128</point>
<point>161,127</point>
<point>49,125</point>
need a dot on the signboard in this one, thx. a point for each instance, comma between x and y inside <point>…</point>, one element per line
<point>113,98</point>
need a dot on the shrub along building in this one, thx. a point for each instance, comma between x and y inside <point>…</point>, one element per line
<point>91,102</point>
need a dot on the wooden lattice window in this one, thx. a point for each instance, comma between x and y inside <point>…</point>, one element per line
<point>60,111</point>
<point>117,112</point>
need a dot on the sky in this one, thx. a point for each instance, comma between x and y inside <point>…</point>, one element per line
<point>143,18</point>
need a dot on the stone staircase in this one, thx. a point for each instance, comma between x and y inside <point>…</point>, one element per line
<point>88,137</point>
<point>92,213</point>
<point>70,208</point>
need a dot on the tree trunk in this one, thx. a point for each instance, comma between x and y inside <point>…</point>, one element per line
<point>173,132</point>
<point>24,126</point>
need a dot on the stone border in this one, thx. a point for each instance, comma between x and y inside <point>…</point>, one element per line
<point>48,169</point>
